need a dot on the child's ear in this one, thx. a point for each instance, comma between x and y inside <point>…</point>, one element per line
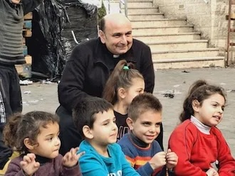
<point>121,92</point>
<point>28,144</point>
<point>88,133</point>
<point>195,105</point>
<point>130,122</point>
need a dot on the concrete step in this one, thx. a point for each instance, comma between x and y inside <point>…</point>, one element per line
<point>158,15</point>
<point>158,22</point>
<point>197,62</point>
<point>175,45</point>
<point>138,4</point>
<point>130,1</point>
<point>165,37</point>
<point>185,53</point>
<point>143,11</point>
<point>162,30</point>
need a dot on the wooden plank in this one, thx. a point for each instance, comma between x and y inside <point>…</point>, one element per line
<point>27,33</point>
<point>232,17</point>
<point>28,16</point>
<point>28,59</point>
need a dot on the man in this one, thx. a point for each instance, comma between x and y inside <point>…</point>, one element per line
<point>90,65</point>
<point>11,52</point>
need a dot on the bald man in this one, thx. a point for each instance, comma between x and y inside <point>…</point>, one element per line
<point>90,65</point>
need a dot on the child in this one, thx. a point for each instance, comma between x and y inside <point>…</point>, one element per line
<point>197,141</point>
<point>123,85</point>
<point>35,136</point>
<point>95,120</point>
<point>141,150</point>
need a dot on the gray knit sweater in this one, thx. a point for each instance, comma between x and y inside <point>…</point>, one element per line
<point>11,25</point>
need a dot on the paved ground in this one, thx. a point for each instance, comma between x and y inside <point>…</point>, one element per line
<point>44,96</point>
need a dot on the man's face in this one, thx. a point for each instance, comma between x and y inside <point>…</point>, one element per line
<point>117,36</point>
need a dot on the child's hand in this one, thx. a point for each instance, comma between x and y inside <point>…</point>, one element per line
<point>70,159</point>
<point>158,160</point>
<point>171,159</point>
<point>29,165</point>
<point>212,172</point>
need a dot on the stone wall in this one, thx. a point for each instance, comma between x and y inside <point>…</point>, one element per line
<point>207,16</point>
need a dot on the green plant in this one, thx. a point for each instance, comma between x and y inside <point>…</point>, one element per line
<point>101,12</point>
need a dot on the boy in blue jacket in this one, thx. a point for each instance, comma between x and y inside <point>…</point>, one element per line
<point>95,121</point>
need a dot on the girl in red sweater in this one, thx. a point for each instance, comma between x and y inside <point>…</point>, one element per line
<point>199,144</point>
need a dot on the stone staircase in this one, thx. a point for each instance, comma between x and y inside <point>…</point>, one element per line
<point>174,42</point>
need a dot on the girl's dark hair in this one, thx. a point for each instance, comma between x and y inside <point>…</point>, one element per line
<point>21,126</point>
<point>122,76</point>
<point>199,90</point>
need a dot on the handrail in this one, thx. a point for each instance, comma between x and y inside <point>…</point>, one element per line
<point>124,2</point>
<point>121,3</point>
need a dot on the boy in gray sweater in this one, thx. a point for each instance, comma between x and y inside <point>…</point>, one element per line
<point>11,52</point>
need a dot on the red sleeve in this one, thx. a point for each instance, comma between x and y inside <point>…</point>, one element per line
<point>225,159</point>
<point>181,142</point>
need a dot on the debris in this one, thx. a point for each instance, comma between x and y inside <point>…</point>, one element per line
<point>25,82</point>
<point>170,95</point>
<point>33,102</point>
<point>185,71</point>
<point>177,85</point>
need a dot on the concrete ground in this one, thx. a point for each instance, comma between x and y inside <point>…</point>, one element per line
<point>43,96</point>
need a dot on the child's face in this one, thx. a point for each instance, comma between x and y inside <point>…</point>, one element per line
<point>147,125</point>
<point>211,111</point>
<point>104,129</point>
<point>136,89</point>
<point>48,141</point>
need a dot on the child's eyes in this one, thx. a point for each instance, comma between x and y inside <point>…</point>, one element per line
<point>49,139</point>
<point>216,105</point>
<point>146,124</point>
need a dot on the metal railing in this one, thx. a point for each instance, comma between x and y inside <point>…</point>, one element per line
<point>123,2</point>
<point>122,5</point>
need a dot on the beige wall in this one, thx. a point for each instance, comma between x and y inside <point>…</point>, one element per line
<point>208,18</point>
